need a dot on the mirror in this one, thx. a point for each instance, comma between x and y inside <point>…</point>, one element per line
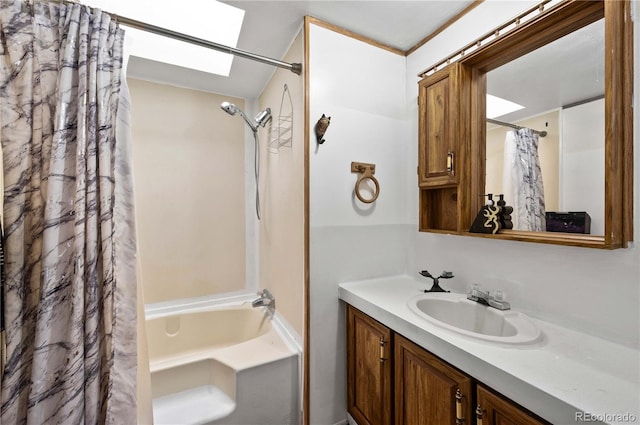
<point>559,89</point>
<point>560,20</point>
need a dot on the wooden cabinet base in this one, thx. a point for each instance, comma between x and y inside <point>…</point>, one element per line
<point>392,380</point>
<point>497,410</point>
<point>426,388</point>
<point>369,369</point>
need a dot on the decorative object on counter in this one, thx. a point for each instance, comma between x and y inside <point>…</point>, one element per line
<point>488,218</point>
<point>321,128</point>
<point>505,213</point>
<point>436,285</point>
<point>569,222</point>
<point>367,170</point>
<point>281,130</point>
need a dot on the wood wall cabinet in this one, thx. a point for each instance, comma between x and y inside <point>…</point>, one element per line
<point>443,133</point>
<point>391,380</point>
<point>438,105</point>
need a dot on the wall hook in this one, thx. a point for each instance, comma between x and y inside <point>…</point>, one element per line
<point>367,170</point>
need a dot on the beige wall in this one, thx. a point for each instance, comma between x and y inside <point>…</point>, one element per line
<point>282,197</point>
<point>548,151</point>
<point>189,189</point>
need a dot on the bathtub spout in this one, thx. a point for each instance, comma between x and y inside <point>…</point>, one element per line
<point>265,300</point>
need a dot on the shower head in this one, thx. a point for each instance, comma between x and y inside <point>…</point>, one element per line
<point>232,109</point>
<point>229,108</point>
<point>263,117</point>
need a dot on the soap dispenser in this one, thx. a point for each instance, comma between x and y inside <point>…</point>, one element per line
<point>505,213</point>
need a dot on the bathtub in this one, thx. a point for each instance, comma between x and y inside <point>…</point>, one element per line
<point>221,366</point>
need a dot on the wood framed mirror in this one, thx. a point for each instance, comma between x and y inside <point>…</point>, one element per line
<point>548,26</point>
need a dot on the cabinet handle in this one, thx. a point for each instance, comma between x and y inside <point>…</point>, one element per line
<point>450,165</point>
<point>479,414</point>
<point>459,417</point>
<point>382,357</point>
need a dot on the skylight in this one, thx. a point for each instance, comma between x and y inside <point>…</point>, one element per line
<point>497,106</point>
<point>206,19</point>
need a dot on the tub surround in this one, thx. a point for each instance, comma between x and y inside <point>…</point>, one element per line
<point>564,373</point>
<point>196,142</point>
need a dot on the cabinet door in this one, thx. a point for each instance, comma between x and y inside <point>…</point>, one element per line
<point>438,124</point>
<point>498,410</point>
<point>369,369</point>
<point>426,387</point>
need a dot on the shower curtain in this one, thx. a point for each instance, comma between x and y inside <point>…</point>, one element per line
<point>522,180</point>
<point>70,267</point>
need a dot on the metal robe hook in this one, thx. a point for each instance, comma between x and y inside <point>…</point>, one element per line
<point>367,170</point>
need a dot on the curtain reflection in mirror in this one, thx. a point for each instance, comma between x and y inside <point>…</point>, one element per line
<point>522,180</point>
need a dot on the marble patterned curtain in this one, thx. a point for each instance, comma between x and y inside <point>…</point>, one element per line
<point>70,287</point>
<point>522,180</point>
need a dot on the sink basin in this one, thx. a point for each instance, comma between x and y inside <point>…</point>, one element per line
<point>456,313</point>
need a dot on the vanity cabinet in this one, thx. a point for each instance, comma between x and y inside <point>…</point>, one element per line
<point>427,390</point>
<point>443,130</point>
<point>392,380</point>
<point>369,371</point>
<point>493,409</point>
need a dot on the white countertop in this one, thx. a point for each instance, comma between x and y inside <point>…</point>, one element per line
<point>568,377</point>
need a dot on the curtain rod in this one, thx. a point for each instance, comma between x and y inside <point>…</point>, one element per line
<point>517,127</point>
<point>296,68</point>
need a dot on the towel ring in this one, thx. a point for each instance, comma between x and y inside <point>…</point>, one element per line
<point>367,170</point>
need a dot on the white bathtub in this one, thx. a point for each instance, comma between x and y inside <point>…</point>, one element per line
<point>221,367</point>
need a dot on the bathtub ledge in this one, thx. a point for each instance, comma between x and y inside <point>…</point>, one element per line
<point>238,356</point>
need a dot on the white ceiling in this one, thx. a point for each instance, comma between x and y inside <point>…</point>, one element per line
<point>570,70</point>
<point>270,26</point>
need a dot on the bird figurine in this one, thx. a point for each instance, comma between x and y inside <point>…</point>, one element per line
<point>321,128</point>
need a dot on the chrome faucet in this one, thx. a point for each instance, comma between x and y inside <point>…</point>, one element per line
<point>484,297</point>
<point>266,300</point>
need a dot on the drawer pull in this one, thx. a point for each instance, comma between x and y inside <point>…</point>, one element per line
<point>382,357</point>
<point>479,414</point>
<point>459,417</point>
